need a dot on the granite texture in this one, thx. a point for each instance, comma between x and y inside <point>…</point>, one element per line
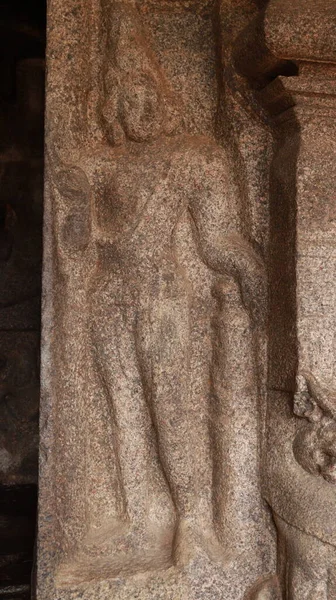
<point>299,449</point>
<point>176,183</point>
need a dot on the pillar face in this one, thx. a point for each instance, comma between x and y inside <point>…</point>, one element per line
<point>299,457</point>
<point>304,181</point>
<point>175,400</point>
<point>155,300</point>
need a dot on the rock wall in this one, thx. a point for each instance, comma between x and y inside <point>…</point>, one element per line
<point>187,417</point>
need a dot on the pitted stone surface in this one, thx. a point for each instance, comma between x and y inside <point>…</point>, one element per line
<point>178,199</point>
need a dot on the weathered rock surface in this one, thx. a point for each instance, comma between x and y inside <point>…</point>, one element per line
<point>188,283</point>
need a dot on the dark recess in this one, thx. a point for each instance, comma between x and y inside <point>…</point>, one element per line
<point>22,50</point>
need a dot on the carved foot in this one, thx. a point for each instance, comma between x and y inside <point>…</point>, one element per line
<point>123,548</point>
<point>106,555</point>
<point>267,589</point>
<point>192,541</point>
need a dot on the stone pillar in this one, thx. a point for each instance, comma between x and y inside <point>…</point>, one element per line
<point>300,452</point>
<point>154,325</point>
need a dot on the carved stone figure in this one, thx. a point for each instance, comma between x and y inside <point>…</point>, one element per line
<point>169,190</point>
<point>154,319</point>
<point>140,295</point>
<point>307,549</point>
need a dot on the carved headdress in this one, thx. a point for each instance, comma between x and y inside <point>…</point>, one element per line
<point>138,102</point>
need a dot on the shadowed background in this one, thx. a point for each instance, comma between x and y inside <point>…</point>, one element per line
<point>22,48</point>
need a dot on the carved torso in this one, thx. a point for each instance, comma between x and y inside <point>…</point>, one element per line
<point>141,194</point>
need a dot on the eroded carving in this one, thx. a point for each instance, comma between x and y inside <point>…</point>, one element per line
<point>306,562</point>
<point>314,445</point>
<point>157,333</point>
<point>162,324</point>
<point>125,206</point>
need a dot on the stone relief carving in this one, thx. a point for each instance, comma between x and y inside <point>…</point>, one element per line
<point>314,444</point>
<point>306,561</point>
<point>159,277</point>
<point>154,429</point>
<point>306,547</point>
<point>126,205</point>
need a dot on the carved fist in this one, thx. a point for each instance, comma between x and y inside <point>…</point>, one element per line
<point>249,268</point>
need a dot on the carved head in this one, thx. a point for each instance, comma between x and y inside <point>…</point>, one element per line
<point>138,103</point>
<point>315,443</point>
<point>313,401</point>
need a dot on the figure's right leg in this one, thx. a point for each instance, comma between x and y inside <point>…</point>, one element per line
<point>143,537</point>
<point>163,344</point>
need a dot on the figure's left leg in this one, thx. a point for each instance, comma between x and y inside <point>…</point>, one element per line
<point>162,342</point>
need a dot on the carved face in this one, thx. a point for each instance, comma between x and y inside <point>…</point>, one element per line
<point>141,109</point>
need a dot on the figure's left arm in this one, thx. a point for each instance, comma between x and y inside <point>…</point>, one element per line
<point>221,228</point>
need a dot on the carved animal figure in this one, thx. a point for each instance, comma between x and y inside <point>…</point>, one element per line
<point>315,444</point>
<point>306,538</point>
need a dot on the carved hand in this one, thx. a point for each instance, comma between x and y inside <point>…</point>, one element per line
<point>236,257</point>
<point>314,401</point>
<point>74,187</point>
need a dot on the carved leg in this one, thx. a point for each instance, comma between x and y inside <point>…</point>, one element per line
<point>162,336</point>
<point>142,538</point>
<point>163,341</point>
